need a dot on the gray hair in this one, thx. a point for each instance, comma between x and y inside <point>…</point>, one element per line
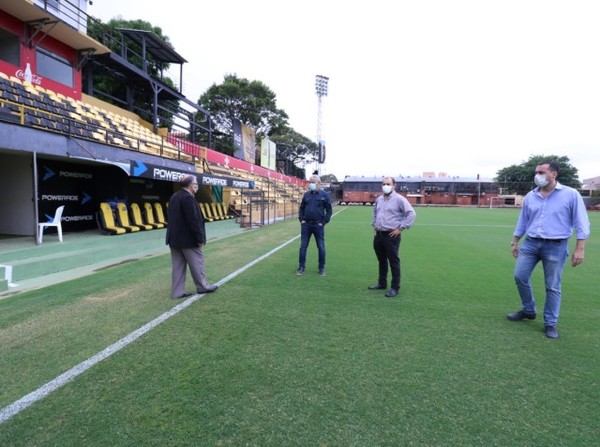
<point>187,180</point>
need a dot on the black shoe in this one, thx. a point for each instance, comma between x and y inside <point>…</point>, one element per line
<point>551,331</point>
<point>520,315</point>
<point>300,271</point>
<point>391,293</point>
<point>322,272</point>
<point>185,295</point>
<point>209,289</point>
<point>377,287</point>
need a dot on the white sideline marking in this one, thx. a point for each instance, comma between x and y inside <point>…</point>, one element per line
<point>16,407</point>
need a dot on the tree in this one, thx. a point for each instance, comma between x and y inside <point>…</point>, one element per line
<point>252,102</point>
<point>518,179</point>
<point>295,147</point>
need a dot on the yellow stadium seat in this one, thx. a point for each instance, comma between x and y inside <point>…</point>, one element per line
<point>123,218</point>
<point>149,213</point>
<point>107,220</point>
<point>159,214</point>
<point>205,212</point>
<point>136,215</point>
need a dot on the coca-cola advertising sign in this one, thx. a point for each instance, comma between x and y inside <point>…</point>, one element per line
<point>27,76</point>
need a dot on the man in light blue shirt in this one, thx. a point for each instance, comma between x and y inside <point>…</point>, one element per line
<point>392,214</point>
<point>548,217</point>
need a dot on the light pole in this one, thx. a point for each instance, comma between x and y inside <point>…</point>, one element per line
<point>321,89</point>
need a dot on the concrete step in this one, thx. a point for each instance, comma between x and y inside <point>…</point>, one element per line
<point>67,260</point>
<point>82,253</point>
<point>79,249</point>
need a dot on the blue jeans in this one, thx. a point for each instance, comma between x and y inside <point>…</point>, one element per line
<point>318,231</point>
<point>553,255</point>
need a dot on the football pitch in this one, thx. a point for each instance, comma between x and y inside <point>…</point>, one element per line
<point>275,359</point>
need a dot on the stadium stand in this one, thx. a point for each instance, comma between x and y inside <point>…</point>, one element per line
<point>32,105</point>
<point>80,136</point>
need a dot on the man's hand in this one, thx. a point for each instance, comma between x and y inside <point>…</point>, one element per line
<point>577,257</point>
<point>396,232</point>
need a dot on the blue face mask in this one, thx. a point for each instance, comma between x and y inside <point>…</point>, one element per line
<point>312,186</point>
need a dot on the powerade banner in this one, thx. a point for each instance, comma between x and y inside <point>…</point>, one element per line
<point>213,180</point>
<point>145,170</point>
<point>77,187</point>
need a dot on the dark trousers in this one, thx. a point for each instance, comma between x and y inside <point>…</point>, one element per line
<point>386,248</point>
<point>318,231</point>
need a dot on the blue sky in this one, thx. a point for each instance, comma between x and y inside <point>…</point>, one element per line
<point>464,87</point>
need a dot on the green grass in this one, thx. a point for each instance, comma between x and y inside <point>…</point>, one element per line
<point>273,359</point>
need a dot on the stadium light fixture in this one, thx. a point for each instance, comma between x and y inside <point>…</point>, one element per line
<point>321,84</point>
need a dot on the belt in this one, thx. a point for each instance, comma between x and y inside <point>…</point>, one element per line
<point>541,239</point>
<point>384,232</point>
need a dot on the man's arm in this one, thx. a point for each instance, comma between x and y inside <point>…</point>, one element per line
<point>328,209</point>
<point>301,209</point>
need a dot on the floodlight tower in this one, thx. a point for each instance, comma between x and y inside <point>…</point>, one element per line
<point>321,88</point>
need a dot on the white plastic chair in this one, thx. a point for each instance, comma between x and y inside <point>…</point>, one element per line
<point>55,223</point>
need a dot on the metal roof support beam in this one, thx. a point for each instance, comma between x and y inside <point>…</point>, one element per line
<point>156,88</point>
<point>38,27</point>
<point>83,56</point>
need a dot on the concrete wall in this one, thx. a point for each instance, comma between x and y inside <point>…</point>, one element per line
<point>16,195</point>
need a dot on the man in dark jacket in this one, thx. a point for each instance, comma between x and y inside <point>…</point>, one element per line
<point>314,213</point>
<point>186,236</point>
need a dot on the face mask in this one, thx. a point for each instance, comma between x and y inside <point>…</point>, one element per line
<point>312,186</point>
<point>386,189</point>
<point>540,180</point>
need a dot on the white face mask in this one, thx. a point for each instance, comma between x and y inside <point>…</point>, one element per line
<point>312,186</point>
<point>540,180</point>
<point>387,189</point>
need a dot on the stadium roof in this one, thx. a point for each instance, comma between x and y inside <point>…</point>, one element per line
<point>153,45</point>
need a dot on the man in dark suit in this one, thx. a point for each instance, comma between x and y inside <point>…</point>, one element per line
<point>186,236</point>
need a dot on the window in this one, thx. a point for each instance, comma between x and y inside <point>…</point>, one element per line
<point>55,67</point>
<point>9,48</point>
<point>50,5</point>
